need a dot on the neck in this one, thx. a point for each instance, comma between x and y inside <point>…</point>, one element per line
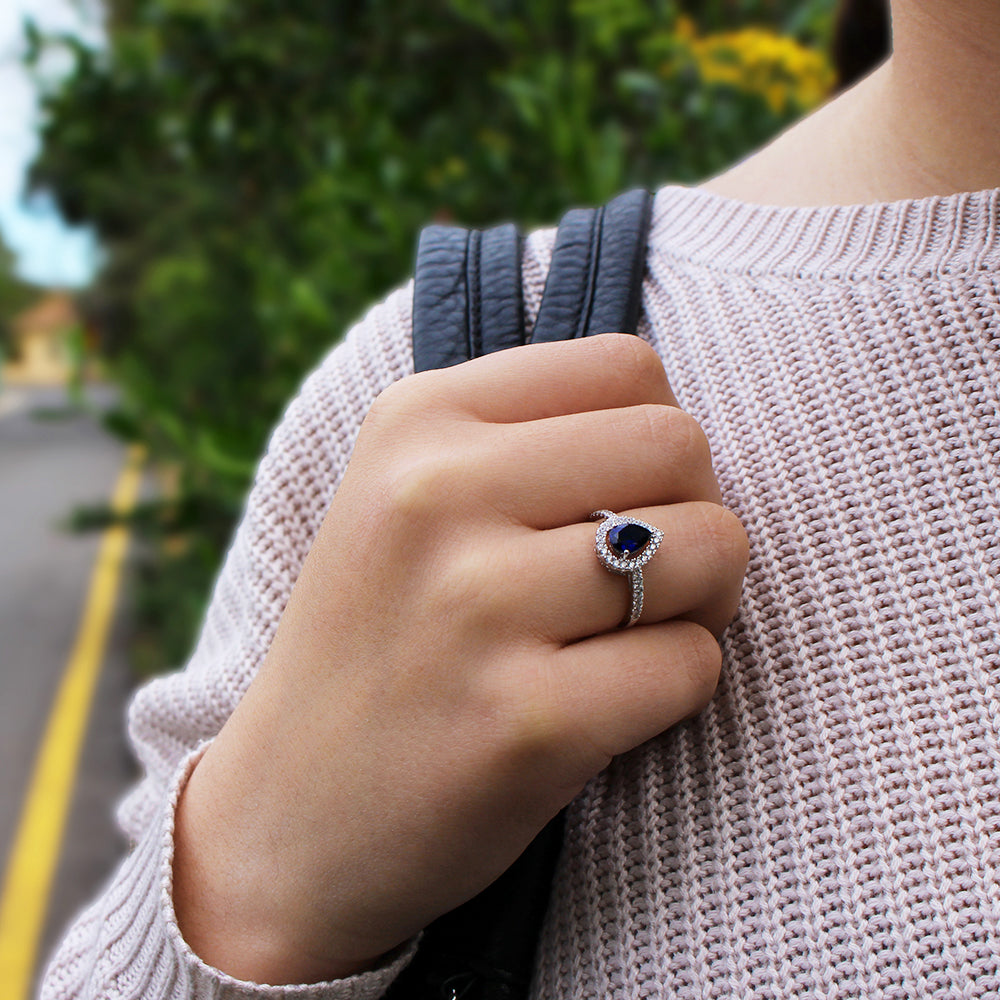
<point>924,123</point>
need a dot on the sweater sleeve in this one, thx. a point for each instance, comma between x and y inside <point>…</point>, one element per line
<point>127,944</point>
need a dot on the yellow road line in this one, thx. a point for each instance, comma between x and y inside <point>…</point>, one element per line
<point>35,853</point>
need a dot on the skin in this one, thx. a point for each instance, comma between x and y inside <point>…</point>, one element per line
<point>418,719</point>
<point>922,124</point>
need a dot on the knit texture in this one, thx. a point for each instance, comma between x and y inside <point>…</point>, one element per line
<point>828,826</point>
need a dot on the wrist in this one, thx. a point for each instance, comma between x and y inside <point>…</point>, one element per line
<point>234,908</point>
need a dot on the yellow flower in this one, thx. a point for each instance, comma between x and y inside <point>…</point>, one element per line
<point>759,61</point>
<point>684,28</point>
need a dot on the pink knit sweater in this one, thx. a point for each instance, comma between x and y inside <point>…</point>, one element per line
<point>830,825</point>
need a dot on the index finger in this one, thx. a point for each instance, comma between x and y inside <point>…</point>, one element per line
<point>549,380</point>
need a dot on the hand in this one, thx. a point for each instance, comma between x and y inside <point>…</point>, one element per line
<point>448,672</point>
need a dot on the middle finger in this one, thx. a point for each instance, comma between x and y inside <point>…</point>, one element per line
<point>562,468</point>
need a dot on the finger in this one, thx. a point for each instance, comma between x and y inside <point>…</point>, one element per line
<point>565,593</point>
<point>544,380</point>
<point>554,472</point>
<point>614,691</point>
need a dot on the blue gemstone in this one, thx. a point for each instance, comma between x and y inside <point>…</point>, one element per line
<point>628,539</point>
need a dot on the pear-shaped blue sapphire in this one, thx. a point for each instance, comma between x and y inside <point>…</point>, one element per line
<point>628,539</point>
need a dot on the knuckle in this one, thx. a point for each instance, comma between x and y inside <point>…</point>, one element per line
<point>422,487</point>
<point>536,726</point>
<point>381,422</point>
<point>672,430</point>
<point>700,656</point>
<point>390,400</point>
<point>467,585</point>
<point>538,723</point>
<point>688,438</point>
<point>726,545</point>
<point>402,399</point>
<point>516,694</point>
<point>637,361</point>
<point>659,427</point>
<point>656,424</point>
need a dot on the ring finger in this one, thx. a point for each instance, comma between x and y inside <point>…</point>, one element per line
<point>566,593</point>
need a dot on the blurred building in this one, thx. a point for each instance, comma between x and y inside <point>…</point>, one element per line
<point>46,342</point>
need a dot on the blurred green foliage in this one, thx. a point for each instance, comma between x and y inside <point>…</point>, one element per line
<point>257,171</point>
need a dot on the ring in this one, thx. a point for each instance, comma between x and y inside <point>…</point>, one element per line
<point>624,545</point>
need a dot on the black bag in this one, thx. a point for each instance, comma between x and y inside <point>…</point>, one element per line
<point>466,303</point>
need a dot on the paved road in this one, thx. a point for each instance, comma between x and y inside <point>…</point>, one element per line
<point>49,463</point>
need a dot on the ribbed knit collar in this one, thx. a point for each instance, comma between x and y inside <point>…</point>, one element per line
<point>953,235</point>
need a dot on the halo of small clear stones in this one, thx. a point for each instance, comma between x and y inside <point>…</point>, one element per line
<point>630,567</point>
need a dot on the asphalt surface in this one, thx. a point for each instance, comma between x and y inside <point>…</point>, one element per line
<point>52,460</point>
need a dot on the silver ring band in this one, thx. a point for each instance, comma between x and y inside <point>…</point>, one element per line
<point>624,545</point>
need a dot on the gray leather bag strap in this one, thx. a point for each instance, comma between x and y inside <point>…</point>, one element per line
<point>467,298</point>
<point>595,279</point>
<point>467,294</point>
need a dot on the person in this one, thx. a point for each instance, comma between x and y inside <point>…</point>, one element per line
<point>411,658</point>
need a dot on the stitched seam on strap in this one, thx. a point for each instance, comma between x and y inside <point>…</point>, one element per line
<point>596,233</point>
<point>637,260</point>
<point>522,327</point>
<point>579,300</point>
<point>473,279</point>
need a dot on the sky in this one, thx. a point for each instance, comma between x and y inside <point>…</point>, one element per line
<point>48,252</point>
